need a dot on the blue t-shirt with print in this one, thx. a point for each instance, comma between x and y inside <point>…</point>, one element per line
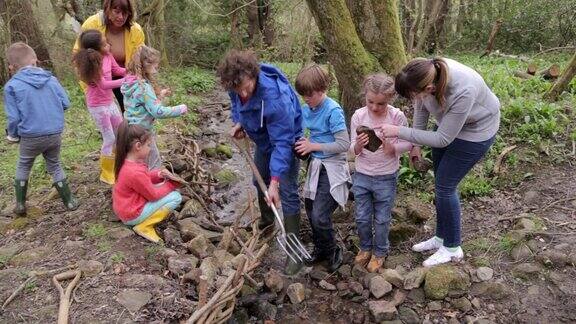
<point>323,122</point>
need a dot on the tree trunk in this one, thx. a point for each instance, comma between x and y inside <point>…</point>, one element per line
<point>22,27</point>
<point>154,27</point>
<point>350,59</point>
<point>438,37</point>
<point>253,24</point>
<point>563,81</point>
<point>433,10</point>
<point>235,36</point>
<point>492,37</point>
<point>266,19</point>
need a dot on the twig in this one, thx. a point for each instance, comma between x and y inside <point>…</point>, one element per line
<point>202,291</point>
<point>554,49</point>
<point>557,202</point>
<point>18,289</point>
<point>501,156</point>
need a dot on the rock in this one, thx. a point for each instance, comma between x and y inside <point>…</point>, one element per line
<point>553,258</point>
<point>146,281</point>
<point>120,233</point>
<point>356,287</point>
<point>367,278</point>
<point>401,232</point>
<point>516,236</point>
<point>382,310</point>
<point>223,257</point>
<point>224,150</point>
<point>274,281</point>
<point>209,269</point>
<point>526,270</point>
<point>418,211</point>
<point>318,274</point>
<point>476,303</point>
<point>396,260</point>
<point>462,304</point>
<point>225,177</point>
<point>172,237</point>
<point>296,293</point>
<point>326,285</point>
<point>494,290</point>
<point>167,253</point>
<point>358,299</point>
<point>441,280</point>
<point>180,265</point>
<point>520,252</point>
<point>133,300</point>
<point>189,230</point>
<point>348,258</point>
<point>265,310</point>
<point>342,286</point>
<point>379,287</point>
<point>200,247</point>
<point>345,271</point>
<point>393,277</point>
<point>434,306</point>
<point>415,278</point>
<point>359,272</point>
<point>408,315</point>
<point>484,273</point>
<point>417,295</point>
<point>237,260</point>
<point>30,256</point>
<point>399,297</point>
<point>525,224</point>
<point>90,267</point>
<point>531,197</point>
<point>192,208</point>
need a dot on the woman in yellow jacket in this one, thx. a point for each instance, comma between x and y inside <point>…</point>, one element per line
<point>116,23</point>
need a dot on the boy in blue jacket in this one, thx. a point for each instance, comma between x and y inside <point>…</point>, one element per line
<point>35,102</point>
<point>267,109</point>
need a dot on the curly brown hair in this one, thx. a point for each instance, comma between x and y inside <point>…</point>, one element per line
<point>88,60</point>
<point>237,65</point>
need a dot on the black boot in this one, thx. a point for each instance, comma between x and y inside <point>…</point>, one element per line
<point>335,259</point>
<point>316,257</point>
<point>20,187</point>
<point>266,214</point>
<point>66,195</point>
<point>292,225</point>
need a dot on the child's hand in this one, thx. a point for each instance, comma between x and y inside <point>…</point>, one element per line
<point>165,92</point>
<point>388,148</point>
<point>303,146</point>
<point>361,142</point>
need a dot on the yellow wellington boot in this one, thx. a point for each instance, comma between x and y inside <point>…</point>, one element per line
<point>146,228</point>
<point>107,169</point>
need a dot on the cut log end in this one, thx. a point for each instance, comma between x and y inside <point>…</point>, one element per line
<point>551,73</point>
<point>532,69</point>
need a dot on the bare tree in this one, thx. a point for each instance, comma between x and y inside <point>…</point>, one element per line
<point>154,25</point>
<point>563,81</point>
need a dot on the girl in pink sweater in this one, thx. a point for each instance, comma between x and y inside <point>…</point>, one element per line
<point>374,182</point>
<point>96,66</point>
<point>141,198</point>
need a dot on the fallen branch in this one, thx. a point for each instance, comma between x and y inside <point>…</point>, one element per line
<point>500,158</point>
<point>557,202</point>
<point>555,49</point>
<point>65,294</point>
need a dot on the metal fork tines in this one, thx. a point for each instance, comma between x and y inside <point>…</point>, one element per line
<point>293,248</point>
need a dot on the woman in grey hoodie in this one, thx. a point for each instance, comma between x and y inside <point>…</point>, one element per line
<point>467,117</point>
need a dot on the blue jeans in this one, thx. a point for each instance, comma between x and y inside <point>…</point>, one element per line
<point>288,182</point>
<point>320,212</point>
<point>374,198</point>
<point>451,164</point>
<point>170,201</point>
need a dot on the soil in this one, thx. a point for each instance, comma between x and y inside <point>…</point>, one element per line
<point>128,279</point>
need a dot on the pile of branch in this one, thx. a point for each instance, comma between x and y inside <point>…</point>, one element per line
<point>550,74</point>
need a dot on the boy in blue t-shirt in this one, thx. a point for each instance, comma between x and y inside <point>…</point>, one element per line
<point>326,186</point>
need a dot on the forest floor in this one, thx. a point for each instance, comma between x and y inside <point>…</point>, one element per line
<point>520,265</point>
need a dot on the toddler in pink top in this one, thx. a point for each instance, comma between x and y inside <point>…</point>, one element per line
<point>374,182</point>
<point>96,66</point>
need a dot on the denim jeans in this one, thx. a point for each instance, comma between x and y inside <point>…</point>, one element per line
<point>170,201</point>
<point>451,164</point>
<point>288,182</point>
<point>374,198</point>
<point>320,212</point>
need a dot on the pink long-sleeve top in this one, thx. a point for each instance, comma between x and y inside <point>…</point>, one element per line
<point>378,163</point>
<point>100,94</point>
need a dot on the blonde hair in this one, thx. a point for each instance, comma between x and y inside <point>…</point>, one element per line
<point>312,78</point>
<point>20,55</point>
<point>379,83</point>
<point>420,73</point>
<point>144,57</point>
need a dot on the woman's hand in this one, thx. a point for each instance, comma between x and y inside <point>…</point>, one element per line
<point>304,146</point>
<point>237,132</point>
<point>389,130</point>
<point>361,142</point>
<point>273,193</point>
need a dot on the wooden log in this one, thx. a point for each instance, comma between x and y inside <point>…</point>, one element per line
<point>563,81</point>
<point>550,73</point>
<point>522,75</point>
<point>532,69</point>
<point>492,38</point>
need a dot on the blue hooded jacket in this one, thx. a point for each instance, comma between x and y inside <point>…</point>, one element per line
<point>272,117</point>
<point>34,102</point>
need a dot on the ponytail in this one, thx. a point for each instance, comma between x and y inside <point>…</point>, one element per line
<point>126,136</point>
<point>88,60</point>
<point>441,80</point>
<point>421,72</point>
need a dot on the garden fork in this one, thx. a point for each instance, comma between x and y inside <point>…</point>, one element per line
<point>289,242</point>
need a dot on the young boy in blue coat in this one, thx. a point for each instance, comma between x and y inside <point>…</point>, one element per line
<point>267,109</point>
<point>35,102</point>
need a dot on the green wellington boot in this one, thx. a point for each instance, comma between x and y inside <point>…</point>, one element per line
<point>20,187</point>
<point>266,214</point>
<point>66,195</point>
<point>292,225</point>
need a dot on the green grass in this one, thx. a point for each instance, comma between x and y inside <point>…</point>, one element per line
<point>95,230</point>
<point>103,246</point>
<point>117,257</point>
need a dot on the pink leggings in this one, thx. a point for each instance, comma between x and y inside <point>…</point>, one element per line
<point>107,119</point>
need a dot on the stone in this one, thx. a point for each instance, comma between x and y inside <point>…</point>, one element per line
<point>356,287</point>
<point>462,304</point>
<point>443,279</point>
<point>133,300</point>
<point>525,224</point>
<point>172,237</point>
<point>222,256</point>
<point>209,269</point>
<point>200,246</point>
<point>526,270</point>
<point>493,290</point>
<point>417,295</point>
<point>120,233</point>
<point>342,285</point>
<point>396,260</point>
<point>326,285</point>
<point>475,302</point>
<point>382,310</point>
<point>367,278</point>
<point>359,299</point>
<point>225,177</point>
<point>296,293</point>
<point>8,251</point>
<point>552,258</point>
<point>318,275</point>
<point>415,278</point>
<point>484,273</point>
<point>345,271</point>
<point>30,256</point>
<point>166,253</point>
<point>434,306</point>
<point>189,230</point>
<point>274,281</point>
<point>147,281</point>
<point>399,297</point>
<point>359,272</point>
<point>401,232</point>
<point>181,265</point>
<point>531,197</point>
<point>521,252</point>
<point>237,260</point>
<point>224,150</point>
<point>379,287</point>
<point>393,277</point>
<point>418,211</point>
<point>90,267</point>
<point>408,315</point>
<point>192,208</point>
<point>265,310</point>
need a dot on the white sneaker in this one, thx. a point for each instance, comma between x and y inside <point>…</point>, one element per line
<point>443,255</point>
<point>431,244</point>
